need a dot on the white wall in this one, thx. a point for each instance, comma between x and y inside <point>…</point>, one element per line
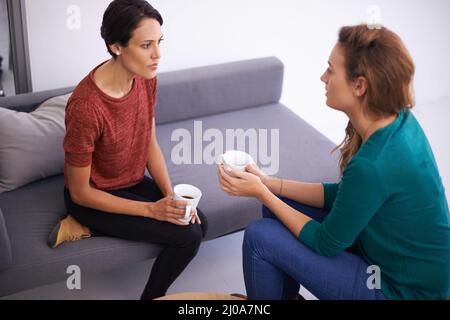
<point>202,32</point>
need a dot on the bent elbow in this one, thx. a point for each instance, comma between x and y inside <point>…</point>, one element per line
<point>329,251</point>
<point>78,196</point>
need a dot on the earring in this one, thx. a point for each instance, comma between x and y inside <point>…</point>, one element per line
<point>118,53</point>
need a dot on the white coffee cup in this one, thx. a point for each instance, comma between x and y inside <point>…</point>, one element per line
<point>190,194</point>
<point>236,160</point>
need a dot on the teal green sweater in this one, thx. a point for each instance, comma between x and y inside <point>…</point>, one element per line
<point>391,201</point>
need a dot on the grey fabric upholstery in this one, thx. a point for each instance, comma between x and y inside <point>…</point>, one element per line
<point>39,133</point>
<point>209,90</point>
<point>30,212</point>
<point>29,101</point>
<point>304,155</point>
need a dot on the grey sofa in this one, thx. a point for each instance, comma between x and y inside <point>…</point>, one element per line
<point>235,95</point>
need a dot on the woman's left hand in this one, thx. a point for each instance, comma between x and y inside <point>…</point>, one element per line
<point>194,217</point>
<point>243,184</point>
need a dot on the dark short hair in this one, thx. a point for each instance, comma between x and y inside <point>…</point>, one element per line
<point>122,17</point>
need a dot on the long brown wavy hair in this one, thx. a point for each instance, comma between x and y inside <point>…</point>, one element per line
<point>380,56</point>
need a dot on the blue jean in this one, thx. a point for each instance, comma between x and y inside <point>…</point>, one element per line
<point>275,263</point>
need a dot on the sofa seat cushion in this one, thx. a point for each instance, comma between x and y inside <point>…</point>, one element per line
<point>304,155</point>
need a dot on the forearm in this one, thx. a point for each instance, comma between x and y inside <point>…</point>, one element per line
<point>103,201</point>
<point>310,194</point>
<point>294,220</point>
<point>156,165</point>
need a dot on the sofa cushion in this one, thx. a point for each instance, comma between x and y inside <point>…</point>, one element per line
<point>27,102</point>
<point>304,155</point>
<point>31,143</point>
<point>203,91</point>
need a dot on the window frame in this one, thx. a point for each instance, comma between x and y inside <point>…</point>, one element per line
<point>18,34</point>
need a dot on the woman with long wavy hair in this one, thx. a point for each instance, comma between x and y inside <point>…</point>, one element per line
<point>383,231</point>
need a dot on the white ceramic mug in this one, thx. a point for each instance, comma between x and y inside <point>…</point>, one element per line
<point>236,160</point>
<point>189,193</point>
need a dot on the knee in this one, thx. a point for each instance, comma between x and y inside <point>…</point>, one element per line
<point>255,233</point>
<point>204,220</point>
<point>193,236</point>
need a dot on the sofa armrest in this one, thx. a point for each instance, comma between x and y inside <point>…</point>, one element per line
<point>5,246</point>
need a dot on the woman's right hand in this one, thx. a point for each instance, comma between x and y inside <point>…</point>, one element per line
<point>166,210</point>
<point>254,169</point>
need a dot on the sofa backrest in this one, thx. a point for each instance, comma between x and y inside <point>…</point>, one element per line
<point>196,92</point>
<point>28,102</point>
<point>216,89</point>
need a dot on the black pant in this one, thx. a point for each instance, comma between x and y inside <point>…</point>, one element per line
<point>180,243</point>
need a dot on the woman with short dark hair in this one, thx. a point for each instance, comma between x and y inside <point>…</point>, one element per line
<point>111,139</point>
